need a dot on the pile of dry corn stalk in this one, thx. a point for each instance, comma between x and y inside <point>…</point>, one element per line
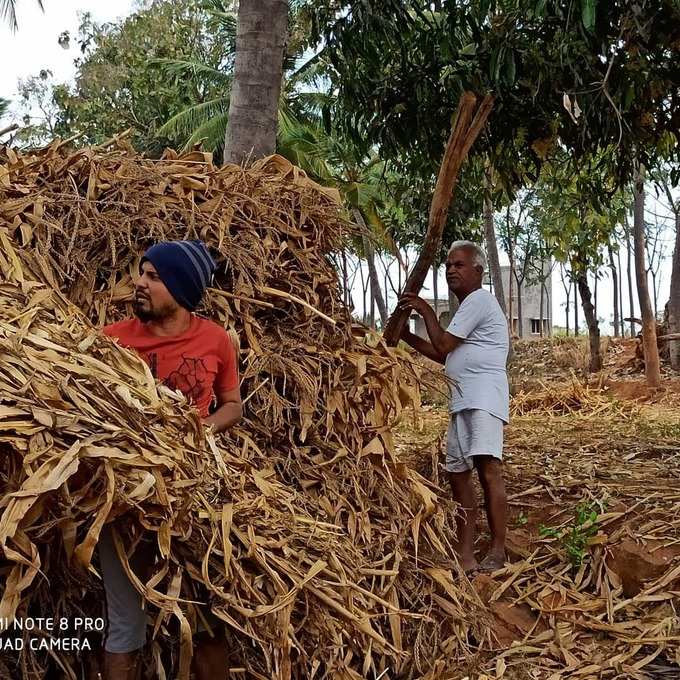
<point>325,556</point>
<point>565,398</point>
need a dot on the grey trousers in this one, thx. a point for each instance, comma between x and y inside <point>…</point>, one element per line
<point>126,620</point>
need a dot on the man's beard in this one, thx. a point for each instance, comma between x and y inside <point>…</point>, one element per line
<point>146,314</point>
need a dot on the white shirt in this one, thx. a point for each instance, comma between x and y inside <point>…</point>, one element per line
<point>478,365</point>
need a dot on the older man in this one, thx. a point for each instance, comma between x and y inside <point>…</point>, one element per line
<point>474,349</point>
<point>196,357</point>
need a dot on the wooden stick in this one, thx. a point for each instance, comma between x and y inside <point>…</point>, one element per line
<point>464,131</point>
<point>292,298</point>
<point>224,293</point>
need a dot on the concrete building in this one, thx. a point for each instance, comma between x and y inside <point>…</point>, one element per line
<point>531,321</point>
<point>531,308</point>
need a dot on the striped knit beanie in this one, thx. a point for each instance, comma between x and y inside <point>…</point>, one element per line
<point>185,267</point>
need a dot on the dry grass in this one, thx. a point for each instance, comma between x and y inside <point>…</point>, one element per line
<point>594,579</point>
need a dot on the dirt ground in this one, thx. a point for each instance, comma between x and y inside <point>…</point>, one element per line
<point>593,482</point>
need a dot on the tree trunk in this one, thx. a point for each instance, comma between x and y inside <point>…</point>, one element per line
<point>520,318</point>
<point>261,34</point>
<point>511,311</point>
<point>399,280</point>
<point>540,305</point>
<point>364,289</point>
<point>372,294</point>
<point>591,319</point>
<point>345,280</point>
<point>435,290</point>
<point>465,131</point>
<point>567,292</point>
<point>566,311</point>
<point>674,299</point>
<point>369,252</point>
<point>492,249</point>
<point>615,281</point>
<point>595,295</point>
<point>576,328</point>
<point>631,299</point>
<point>548,303</point>
<point>619,266</point>
<point>651,351</point>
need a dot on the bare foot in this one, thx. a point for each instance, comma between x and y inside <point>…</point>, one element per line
<point>493,562</point>
<point>469,565</point>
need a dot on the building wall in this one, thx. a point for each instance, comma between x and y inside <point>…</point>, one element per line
<point>531,305</point>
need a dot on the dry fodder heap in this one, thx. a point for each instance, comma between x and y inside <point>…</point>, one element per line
<point>323,553</point>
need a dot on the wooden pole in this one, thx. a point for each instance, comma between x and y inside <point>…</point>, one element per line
<point>468,123</point>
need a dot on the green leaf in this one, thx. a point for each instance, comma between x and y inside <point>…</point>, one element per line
<point>509,68</point>
<point>629,96</point>
<point>588,13</point>
<point>469,50</point>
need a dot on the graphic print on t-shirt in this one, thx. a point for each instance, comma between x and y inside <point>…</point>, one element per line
<point>190,378</point>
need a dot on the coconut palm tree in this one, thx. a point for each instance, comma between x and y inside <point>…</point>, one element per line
<point>300,103</point>
<point>8,12</point>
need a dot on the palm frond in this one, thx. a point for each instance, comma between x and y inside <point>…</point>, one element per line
<point>310,104</point>
<point>192,69</point>
<point>211,133</point>
<point>309,72</point>
<point>4,105</point>
<point>8,12</point>
<point>184,124</point>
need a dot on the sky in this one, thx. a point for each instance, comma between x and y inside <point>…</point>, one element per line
<point>34,47</point>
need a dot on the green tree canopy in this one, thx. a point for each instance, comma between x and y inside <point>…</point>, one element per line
<point>580,74</point>
<point>118,85</point>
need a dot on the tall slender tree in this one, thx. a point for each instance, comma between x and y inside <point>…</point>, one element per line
<point>566,284</point>
<point>254,104</point>
<point>615,282</point>
<point>491,243</point>
<point>377,298</point>
<point>664,180</point>
<point>651,351</point>
<point>674,299</point>
<point>629,275</point>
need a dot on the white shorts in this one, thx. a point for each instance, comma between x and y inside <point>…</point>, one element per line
<point>472,432</point>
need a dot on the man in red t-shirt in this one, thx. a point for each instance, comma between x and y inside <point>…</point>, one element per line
<point>196,357</point>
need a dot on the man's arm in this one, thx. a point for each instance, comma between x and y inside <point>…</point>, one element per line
<point>229,410</point>
<point>440,340</point>
<point>423,346</point>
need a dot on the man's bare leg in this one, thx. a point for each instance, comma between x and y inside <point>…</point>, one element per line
<point>490,472</point>
<point>464,494</point>
<point>121,666</point>
<point>210,660</point>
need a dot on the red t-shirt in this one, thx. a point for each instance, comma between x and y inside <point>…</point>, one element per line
<point>200,362</point>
